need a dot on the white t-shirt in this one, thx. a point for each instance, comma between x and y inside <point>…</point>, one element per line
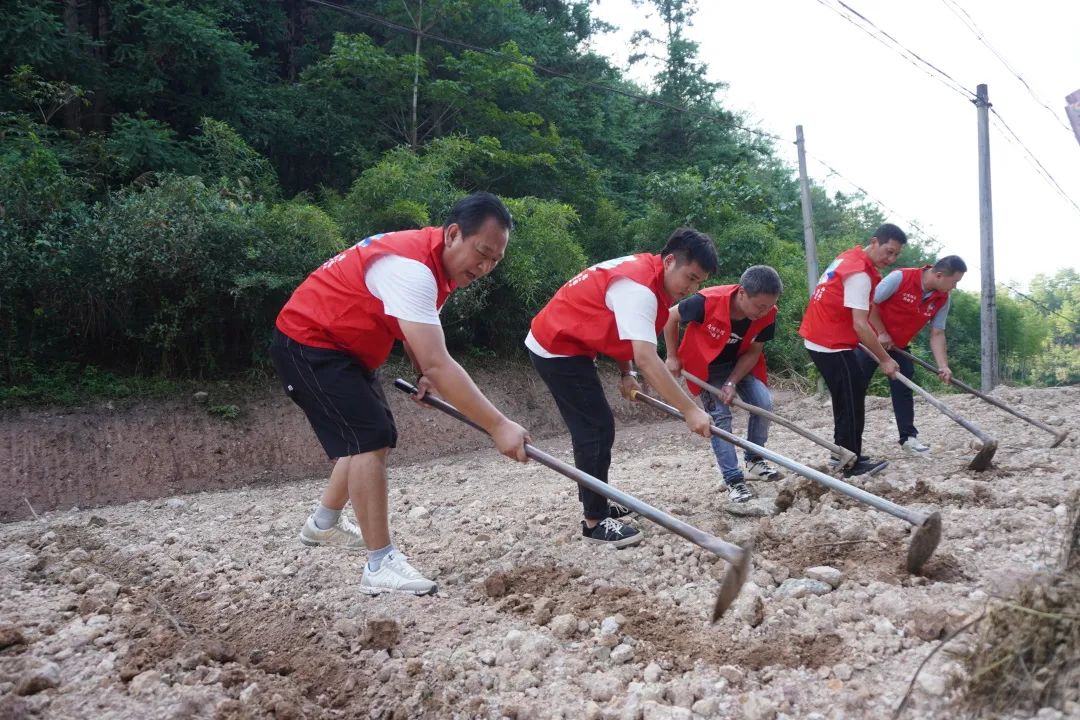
<point>635,309</point>
<point>856,297</point>
<point>406,288</point>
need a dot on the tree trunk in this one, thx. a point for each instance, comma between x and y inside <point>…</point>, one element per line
<point>72,111</point>
<point>413,143</point>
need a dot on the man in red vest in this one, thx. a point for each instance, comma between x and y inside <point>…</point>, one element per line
<point>904,302</point>
<point>615,308</point>
<point>727,327</point>
<point>339,327</point>
<point>836,320</point>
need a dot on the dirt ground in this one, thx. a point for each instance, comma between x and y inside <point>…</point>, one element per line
<point>206,606</point>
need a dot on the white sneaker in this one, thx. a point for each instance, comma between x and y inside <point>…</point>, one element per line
<point>345,534</point>
<point>396,575</point>
<point>763,470</point>
<point>913,446</point>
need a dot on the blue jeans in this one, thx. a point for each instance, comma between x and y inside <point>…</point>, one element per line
<point>751,391</point>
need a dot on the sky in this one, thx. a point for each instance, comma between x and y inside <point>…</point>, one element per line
<point>887,126</point>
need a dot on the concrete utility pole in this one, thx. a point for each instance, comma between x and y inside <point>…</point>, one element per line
<point>809,241</point>
<point>986,247</point>
<point>807,215</point>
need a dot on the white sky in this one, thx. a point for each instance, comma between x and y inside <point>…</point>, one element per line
<point>889,127</point>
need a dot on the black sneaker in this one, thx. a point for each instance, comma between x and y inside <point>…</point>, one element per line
<point>610,532</point>
<point>739,492</point>
<point>866,466</point>
<point>617,511</point>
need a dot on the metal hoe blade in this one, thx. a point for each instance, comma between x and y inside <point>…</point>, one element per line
<point>927,527</point>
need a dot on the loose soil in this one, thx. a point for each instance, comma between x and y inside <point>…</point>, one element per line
<point>205,605</point>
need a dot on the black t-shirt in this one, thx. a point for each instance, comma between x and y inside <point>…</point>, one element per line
<point>692,309</point>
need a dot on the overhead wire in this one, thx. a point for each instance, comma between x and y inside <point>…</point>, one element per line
<point>969,23</point>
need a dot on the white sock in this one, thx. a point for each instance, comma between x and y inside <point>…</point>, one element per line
<point>324,517</point>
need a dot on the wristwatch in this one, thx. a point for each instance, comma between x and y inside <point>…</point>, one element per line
<point>729,384</point>
<point>631,373</point>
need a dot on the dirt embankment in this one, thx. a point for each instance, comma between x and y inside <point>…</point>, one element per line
<point>109,452</point>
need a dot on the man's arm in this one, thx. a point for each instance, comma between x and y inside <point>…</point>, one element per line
<point>657,375</point>
<point>454,384</point>
<point>941,355</point>
<point>867,336</point>
<point>671,340</point>
<point>743,365</point>
<point>875,322</point>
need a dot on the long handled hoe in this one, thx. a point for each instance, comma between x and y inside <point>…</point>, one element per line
<point>738,558</point>
<point>927,532</point>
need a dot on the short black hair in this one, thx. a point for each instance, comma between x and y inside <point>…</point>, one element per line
<point>472,211</point>
<point>950,265</point>
<point>887,232</point>
<point>761,279</point>
<point>690,245</point>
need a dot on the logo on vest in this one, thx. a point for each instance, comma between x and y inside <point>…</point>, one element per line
<point>909,297</point>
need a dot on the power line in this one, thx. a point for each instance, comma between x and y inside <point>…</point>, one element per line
<point>969,23</point>
<point>1045,173</point>
<point>716,117</point>
<point>1036,302</point>
<point>877,33</point>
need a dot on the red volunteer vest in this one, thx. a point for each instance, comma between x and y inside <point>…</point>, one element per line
<point>703,342</point>
<point>826,321</point>
<point>576,321</point>
<point>905,313</point>
<point>334,309</point>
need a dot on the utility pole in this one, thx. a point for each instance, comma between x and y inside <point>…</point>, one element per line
<point>809,241</point>
<point>988,306</point>
<point>807,215</point>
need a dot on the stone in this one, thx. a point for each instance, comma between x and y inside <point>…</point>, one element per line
<point>382,633</point>
<point>731,673</point>
<point>177,505</point>
<point>706,707</point>
<point>759,707</point>
<point>419,513</point>
<point>758,507</point>
<point>495,584</point>
<point>652,673</point>
<point>609,626</point>
<point>10,635</point>
<point>39,676</point>
<point>929,622</point>
<point>842,671</point>
<point>601,687</point>
<point>523,681</point>
<point>622,654</point>
<point>932,684</point>
<point>825,574</point>
<point>801,587</point>
<point>563,626</point>
<point>144,682</point>
<point>201,397</point>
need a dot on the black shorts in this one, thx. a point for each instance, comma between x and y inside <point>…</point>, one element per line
<point>342,399</point>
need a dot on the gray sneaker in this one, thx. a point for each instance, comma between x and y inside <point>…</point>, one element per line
<point>739,492</point>
<point>345,534</point>
<point>395,574</point>
<point>763,470</point>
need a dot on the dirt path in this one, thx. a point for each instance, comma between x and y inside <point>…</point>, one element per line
<point>206,606</point>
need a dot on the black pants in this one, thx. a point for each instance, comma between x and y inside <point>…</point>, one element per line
<point>580,397</point>
<point>903,400</point>
<point>844,377</point>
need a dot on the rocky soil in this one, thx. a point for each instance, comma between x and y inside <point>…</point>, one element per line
<point>207,606</point>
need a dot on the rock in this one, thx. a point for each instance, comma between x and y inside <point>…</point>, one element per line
<point>513,640</point>
<point>731,673</point>
<point>495,584</point>
<point>758,507</point>
<point>201,397</point>
<point>593,711</point>
<point>825,574</point>
<point>10,635</point>
<point>39,676</point>
<point>523,681</point>
<point>853,532</point>
<point>177,505</point>
<point>752,612</point>
<point>759,707</point>
<point>542,611</point>
<point>706,707</point>
<point>609,626</point>
<point>601,687</point>
<point>97,521</point>
<point>381,633</point>
<point>622,654</point>
<point>932,684</point>
<point>563,626</point>
<point>419,513</point>
<point>801,587</point>
<point>784,500</point>
<point>652,673</point>
<point>144,682</point>
<point>842,671</point>
<point>928,623</point>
